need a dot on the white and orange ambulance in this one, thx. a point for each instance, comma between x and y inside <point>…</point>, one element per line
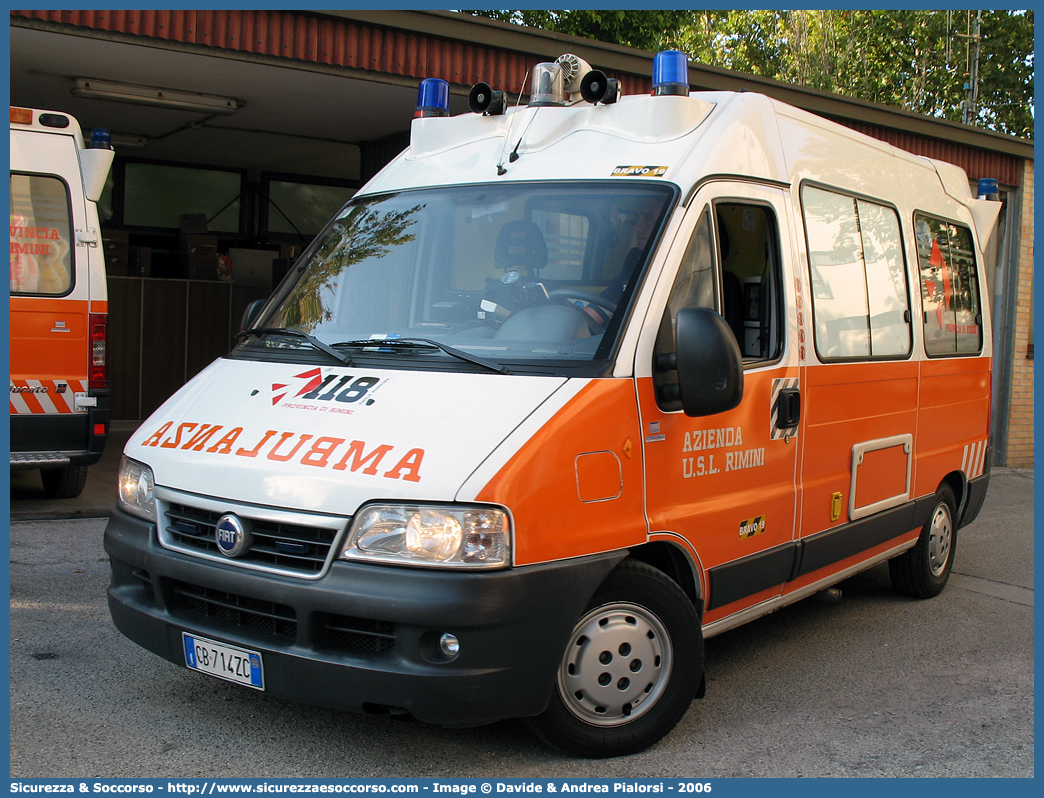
<point>566,389</point>
<point>59,308</point>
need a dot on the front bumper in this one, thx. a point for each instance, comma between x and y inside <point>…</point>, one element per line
<point>363,637</point>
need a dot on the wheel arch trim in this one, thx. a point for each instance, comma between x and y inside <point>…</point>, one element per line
<point>671,554</point>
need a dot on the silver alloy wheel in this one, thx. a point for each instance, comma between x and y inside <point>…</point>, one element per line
<point>616,666</point>
<point>940,539</point>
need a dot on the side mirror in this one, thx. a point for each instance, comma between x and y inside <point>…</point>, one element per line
<point>251,313</point>
<point>95,166</point>
<point>708,362</point>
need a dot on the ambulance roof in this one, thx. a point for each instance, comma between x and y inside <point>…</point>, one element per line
<point>683,140</point>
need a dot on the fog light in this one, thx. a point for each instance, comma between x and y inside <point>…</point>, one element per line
<point>449,645</point>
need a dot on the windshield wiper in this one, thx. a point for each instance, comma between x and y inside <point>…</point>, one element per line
<point>340,357</point>
<point>412,343</point>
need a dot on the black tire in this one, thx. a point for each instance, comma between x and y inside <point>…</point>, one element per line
<point>630,670</point>
<point>64,483</point>
<point>921,572</point>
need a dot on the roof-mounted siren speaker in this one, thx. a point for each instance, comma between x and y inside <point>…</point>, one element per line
<point>483,99</point>
<point>597,88</point>
<point>573,70</point>
<point>591,84</point>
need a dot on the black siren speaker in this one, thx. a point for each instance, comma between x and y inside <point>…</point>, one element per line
<point>483,99</point>
<point>597,88</point>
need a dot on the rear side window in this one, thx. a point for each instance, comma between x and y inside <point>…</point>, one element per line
<point>41,235</point>
<point>566,236</point>
<point>860,293</point>
<point>949,287</point>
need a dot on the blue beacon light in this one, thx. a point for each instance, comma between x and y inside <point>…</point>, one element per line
<point>670,74</point>
<point>988,189</point>
<point>101,139</point>
<point>432,98</point>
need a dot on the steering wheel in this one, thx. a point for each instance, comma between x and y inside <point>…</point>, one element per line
<point>600,302</point>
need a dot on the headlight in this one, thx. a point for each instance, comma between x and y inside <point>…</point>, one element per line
<point>136,489</point>
<point>410,534</point>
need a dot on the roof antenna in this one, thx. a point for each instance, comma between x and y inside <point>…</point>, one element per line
<point>501,170</point>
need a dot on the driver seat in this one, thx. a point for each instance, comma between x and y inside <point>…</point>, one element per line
<point>520,245</point>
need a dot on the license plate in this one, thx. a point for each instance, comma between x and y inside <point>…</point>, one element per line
<point>227,662</point>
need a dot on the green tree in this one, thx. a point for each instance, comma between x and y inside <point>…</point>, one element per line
<point>644,30</point>
<point>915,60</point>
<point>1006,72</point>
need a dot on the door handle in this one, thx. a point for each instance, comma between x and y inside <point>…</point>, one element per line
<point>789,408</point>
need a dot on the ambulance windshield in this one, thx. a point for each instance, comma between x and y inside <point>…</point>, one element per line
<point>511,274</point>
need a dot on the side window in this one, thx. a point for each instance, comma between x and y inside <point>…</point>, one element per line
<point>886,282</point>
<point>694,283</point>
<point>949,287</point>
<point>41,232</point>
<point>860,295</point>
<point>731,265</point>
<point>693,287</point>
<point>750,277</point>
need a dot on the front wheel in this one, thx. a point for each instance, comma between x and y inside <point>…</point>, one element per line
<point>630,670</point>
<point>921,572</point>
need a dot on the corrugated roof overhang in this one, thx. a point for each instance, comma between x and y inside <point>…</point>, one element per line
<point>463,50</point>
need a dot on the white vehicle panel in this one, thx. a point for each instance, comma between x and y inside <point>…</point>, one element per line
<point>328,438</point>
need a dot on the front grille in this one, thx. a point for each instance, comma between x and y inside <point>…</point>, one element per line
<point>146,585</point>
<point>354,634</point>
<point>289,547</point>
<point>237,613</point>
